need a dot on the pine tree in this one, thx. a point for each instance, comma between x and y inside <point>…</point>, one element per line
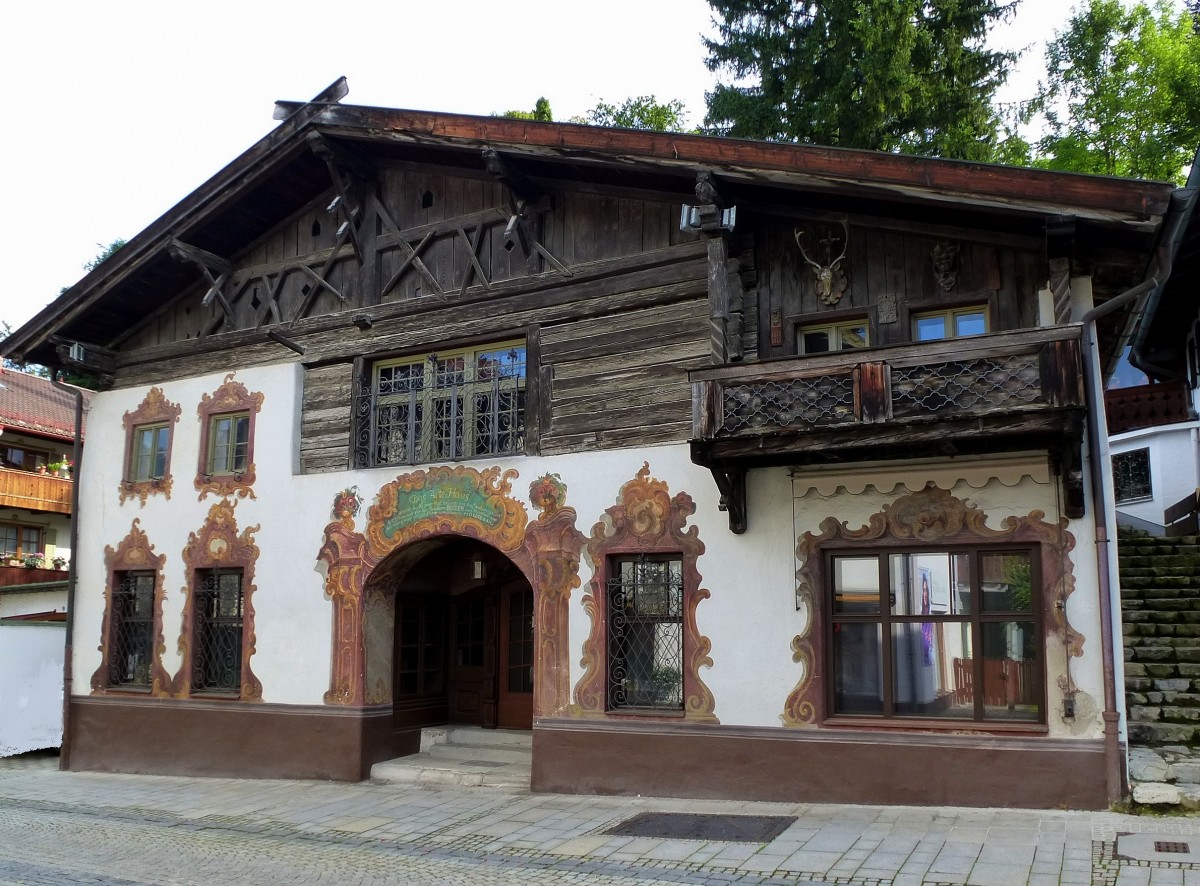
<point>892,75</point>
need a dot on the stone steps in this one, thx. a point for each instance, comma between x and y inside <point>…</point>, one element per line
<point>464,756</point>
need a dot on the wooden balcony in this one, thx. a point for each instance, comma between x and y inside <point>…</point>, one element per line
<point>1004,392</point>
<point>34,492</point>
<point>1147,406</point>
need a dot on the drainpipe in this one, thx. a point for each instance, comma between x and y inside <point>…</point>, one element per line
<point>64,758</point>
<point>1149,290</point>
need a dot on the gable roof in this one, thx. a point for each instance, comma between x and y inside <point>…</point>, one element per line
<point>1117,219</point>
<point>31,404</point>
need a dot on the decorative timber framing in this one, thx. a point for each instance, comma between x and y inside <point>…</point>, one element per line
<point>932,516</point>
<point>216,271</point>
<point>365,569</point>
<point>230,397</point>
<point>134,553</point>
<point>645,520</point>
<point>218,545</point>
<point>155,409</point>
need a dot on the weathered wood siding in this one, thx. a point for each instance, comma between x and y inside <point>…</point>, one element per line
<point>890,266</point>
<point>434,234</point>
<point>325,419</point>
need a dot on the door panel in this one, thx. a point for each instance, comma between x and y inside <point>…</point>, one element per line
<point>516,657</point>
<point>472,683</point>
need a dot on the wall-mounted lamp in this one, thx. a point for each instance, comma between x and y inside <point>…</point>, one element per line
<point>478,568</point>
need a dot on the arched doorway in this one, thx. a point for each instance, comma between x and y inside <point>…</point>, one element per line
<point>463,640</point>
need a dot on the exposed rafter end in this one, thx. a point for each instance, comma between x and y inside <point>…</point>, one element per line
<point>732,486</point>
<point>281,339</point>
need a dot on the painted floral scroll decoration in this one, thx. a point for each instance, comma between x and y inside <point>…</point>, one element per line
<point>134,553</point>
<point>548,494</point>
<point>646,519</point>
<point>930,516</point>
<point>346,505</point>
<point>230,398</point>
<point>155,409</point>
<point>219,545</point>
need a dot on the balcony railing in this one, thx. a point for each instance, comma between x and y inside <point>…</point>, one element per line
<point>34,492</point>
<point>1147,406</point>
<point>972,394</point>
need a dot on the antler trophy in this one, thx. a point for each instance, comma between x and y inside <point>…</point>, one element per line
<point>831,279</point>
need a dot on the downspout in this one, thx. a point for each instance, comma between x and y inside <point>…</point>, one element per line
<point>1173,227</point>
<point>64,759</point>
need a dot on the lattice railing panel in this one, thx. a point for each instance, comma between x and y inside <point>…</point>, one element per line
<point>966,385</point>
<point>817,400</point>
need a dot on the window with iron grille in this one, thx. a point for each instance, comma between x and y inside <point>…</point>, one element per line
<point>132,630</point>
<point>1131,475</point>
<point>217,632</point>
<point>445,406</point>
<point>645,633</point>
<point>935,634</point>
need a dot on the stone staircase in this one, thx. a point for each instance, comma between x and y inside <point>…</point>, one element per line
<point>1160,609</point>
<point>465,756</point>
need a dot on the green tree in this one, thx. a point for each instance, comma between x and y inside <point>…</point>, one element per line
<point>540,112</point>
<point>893,75</point>
<point>1120,92</point>
<point>642,112</point>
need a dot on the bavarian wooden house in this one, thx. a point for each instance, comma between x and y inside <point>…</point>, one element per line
<point>730,469</point>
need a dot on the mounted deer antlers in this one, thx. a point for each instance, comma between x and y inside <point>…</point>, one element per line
<point>831,280</point>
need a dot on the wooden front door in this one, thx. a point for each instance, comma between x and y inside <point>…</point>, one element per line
<point>516,656</point>
<point>472,685</point>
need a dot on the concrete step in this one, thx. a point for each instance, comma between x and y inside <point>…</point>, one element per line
<point>465,757</point>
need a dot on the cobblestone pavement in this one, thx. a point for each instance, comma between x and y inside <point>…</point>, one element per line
<point>114,830</point>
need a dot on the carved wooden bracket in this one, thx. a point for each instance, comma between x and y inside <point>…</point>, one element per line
<point>216,271</point>
<point>732,486</point>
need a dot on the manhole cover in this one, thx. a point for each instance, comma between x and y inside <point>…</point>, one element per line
<point>1164,846</point>
<point>692,826</point>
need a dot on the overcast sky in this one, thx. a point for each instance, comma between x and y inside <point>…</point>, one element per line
<point>117,111</point>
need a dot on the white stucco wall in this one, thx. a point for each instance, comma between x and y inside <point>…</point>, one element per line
<point>31,687</point>
<point>1174,466</point>
<point>751,616</point>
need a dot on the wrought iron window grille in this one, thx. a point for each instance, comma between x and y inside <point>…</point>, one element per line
<point>130,645</point>
<point>217,632</point>
<point>1131,476</point>
<point>442,408</point>
<point>645,634</point>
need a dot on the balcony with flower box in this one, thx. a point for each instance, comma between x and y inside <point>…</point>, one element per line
<point>1005,392</point>
<point>34,492</point>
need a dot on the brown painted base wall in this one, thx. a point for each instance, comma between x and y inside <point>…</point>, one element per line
<point>820,766</point>
<point>231,739</point>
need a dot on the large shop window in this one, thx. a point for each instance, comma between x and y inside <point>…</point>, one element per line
<point>949,634</point>
<point>1131,476</point>
<point>217,659</point>
<point>450,405</point>
<point>132,630</point>
<point>148,453</point>
<point>645,633</point>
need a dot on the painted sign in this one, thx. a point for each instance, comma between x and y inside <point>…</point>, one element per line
<point>449,496</point>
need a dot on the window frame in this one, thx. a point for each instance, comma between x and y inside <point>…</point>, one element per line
<point>155,411</point>
<point>116,617</point>
<point>425,435</point>
<point>950,315</point>
<point>834,328</point>
<point>133,468</point>
<point>202,629</point>
<point>1139,497</point>
<point>974,620</point>
<point>20,531</point>
<point>41,457</point>
<point>236,419</point>
<point>616,663</point>
<point>231,400</point>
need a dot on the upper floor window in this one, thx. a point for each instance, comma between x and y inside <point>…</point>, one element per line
<point>645,633</point>
<point>449,405</point>
<point>148,458</point>
<point>228,444</point>
<point>1131,475</point>
<point>946,634</point>
<point>950,323</point>
<point>843,336</point>
<point>23,458</point>
<point>19,541</point>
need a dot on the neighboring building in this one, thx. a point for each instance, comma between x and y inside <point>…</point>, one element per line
<point>37,442</point>
<point>730,468</point>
